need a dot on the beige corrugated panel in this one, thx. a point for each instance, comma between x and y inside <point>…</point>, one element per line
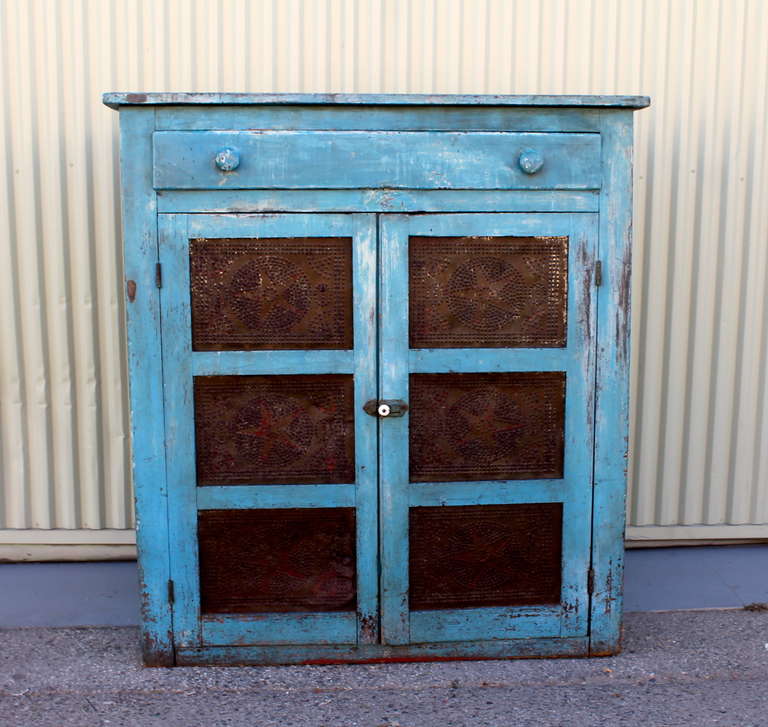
<point>700,466</point>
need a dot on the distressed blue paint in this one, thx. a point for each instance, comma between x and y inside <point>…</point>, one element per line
<point>268,225</point>
<point>283,628</point>
<point>492,224</point>
<point>381,118</point>
<point>179,427</point>
<point>476,624</point>
<point>579,422</point>
<point>404,159</point>
<point>500,492</point>
<point>373,99</point>
<point>377,200</point>
<point>612,405</point>
<point>242,497</point>
<point>393,433</point>
<point>464,152</point>
<point>442,360</point>
<point>308,654</point>
<point>146,382</point>
<point>243,363</point>
<point>186,498</point>
<point>576,360</point>
<point>364,300</point>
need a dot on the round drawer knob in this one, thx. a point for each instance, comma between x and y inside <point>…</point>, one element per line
<point>384,410</point>
<point>228,159</point>
<point>530,161</point>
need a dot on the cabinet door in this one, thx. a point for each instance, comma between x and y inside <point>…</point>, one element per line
<point>487,330</point>
<point>269,355</point>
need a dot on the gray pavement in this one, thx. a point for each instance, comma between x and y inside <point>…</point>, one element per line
<point>691,668</point>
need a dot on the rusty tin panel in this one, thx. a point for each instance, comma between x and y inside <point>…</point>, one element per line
<point>277,561</point>
<point>488,292</point>
<point>275,429</point>
<point>492,426</point>
<point>271,293</point>
<point>485,555</point>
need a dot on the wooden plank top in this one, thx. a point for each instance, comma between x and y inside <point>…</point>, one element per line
<point>115,100</point>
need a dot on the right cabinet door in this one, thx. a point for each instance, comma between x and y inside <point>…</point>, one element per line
<point>487,331</point>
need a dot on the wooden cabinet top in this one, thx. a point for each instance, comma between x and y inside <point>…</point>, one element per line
<point>115,100</point>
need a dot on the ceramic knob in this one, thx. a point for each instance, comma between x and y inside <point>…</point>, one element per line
<point>530,161</point>
<point>228,159</point>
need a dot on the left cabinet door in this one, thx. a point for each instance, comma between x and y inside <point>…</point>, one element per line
<point>268,337</point>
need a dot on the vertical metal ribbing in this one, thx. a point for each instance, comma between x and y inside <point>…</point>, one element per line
<point>701,262</point>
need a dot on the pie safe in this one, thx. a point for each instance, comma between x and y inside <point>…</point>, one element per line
<point>378,356</point>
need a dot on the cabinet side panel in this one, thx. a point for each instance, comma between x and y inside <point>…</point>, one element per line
<point>146,381</point>
<point>612,400</point>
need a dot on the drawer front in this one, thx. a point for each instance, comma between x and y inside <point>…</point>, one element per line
<point>356,159</point>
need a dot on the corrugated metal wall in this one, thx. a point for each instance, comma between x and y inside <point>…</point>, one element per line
<point>701,329</point>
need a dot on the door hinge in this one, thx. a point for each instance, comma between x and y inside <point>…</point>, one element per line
<point>158,275</point>
<point>590,581</point>
<point>599,273</point>
<point>171,592</point>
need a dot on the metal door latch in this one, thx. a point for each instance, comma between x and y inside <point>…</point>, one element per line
<point>385,407</point>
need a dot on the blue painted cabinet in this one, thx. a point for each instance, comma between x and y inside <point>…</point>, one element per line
<point>378,354</point>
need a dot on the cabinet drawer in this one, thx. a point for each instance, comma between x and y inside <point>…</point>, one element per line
<point>362,159</point>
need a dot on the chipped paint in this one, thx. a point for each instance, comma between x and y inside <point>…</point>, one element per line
<point>115,100</point>
<point>586,264</point>
<point>624,308</point>
<point>369,628</point>
<point>301,172</point>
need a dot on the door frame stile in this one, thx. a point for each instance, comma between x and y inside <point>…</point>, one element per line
<point>365,328</point>
<point>393,434</point>
<point>179,429</point>
<point>582,325</point>
<point>146,376</point>
<point>612,392</point>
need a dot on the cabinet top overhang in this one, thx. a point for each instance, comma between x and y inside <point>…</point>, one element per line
<point>116,100</point>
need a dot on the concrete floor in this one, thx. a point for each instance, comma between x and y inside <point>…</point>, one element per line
<point>678,669</point>
<point>106,594</point>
